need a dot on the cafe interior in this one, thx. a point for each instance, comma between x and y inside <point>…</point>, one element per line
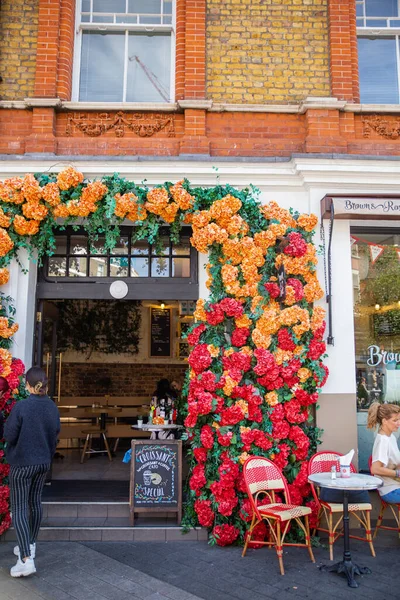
<point>104,359</point>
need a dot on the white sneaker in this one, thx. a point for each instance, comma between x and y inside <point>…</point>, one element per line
<point>32,548</point>
<point>23,569</point>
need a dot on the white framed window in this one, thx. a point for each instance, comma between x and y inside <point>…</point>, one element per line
<point>378,32</point>
<point>124,51</point>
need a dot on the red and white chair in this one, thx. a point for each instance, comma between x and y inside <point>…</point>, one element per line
<point>263,479</point>
<point>322,462</point>
<point>395,508</point>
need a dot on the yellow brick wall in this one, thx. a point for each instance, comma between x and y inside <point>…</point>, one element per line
<point>267,51</point>
<point>18,41</point>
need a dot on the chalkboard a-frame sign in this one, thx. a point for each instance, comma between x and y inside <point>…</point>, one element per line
<point>160,332</point>
<point>156,477</point>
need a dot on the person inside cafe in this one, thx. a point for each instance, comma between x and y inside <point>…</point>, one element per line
<point>31,432</point>
<point>386,453</point>
<point>162,407</point>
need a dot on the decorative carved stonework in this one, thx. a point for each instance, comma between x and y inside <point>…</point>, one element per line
<point>382,126</point>
<point>142,124</point>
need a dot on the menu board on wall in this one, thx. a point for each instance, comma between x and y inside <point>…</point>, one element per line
<point>156,477</point>
<point>160,332</point>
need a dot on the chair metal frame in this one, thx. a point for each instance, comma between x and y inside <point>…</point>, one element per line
<point>326,508</point>
<point>273,481</point>
<point>87,448</point>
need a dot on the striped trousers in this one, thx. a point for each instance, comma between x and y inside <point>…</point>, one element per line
<point>26,487</point>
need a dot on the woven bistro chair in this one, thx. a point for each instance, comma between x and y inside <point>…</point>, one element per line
<point>263,478</point>
<point>395,508</point>
<point>322,462</point>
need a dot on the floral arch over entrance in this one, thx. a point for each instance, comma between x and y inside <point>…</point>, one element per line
<point>256,362</point>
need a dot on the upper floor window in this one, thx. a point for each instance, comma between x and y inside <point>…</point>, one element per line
<point>124,51</point>
<point>378,28</point>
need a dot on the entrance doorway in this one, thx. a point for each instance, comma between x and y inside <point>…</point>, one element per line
<point>103,355</point>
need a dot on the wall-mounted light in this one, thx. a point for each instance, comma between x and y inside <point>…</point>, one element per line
<point>162,305</point>
<point>377,306</point>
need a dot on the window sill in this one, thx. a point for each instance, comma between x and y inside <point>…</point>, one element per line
<point>372,108</point>
<point>131,106</point>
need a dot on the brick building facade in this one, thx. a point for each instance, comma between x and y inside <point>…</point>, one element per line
<point>257,78</point>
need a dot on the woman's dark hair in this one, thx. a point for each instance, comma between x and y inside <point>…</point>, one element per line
<point>4,387</point>
<point>163,389</point>
<point>37,380</point>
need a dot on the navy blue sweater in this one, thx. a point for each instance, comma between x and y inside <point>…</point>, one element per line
<point>31,431</point>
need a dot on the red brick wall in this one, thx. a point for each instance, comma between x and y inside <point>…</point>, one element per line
<point>343,50</point>
<point>127,379</point>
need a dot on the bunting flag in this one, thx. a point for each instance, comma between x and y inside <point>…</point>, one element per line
<point>353,240</point>
<point>376,251</point>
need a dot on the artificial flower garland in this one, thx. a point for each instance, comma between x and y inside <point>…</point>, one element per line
<point>256,361</point>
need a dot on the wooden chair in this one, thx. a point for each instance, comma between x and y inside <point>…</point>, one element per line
<point>395,508</point>
<point>322,462</point>
<point>87,448</point>
<point>262,477</point>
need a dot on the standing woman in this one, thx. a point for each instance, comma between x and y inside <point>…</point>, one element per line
<point>385,453</point>
<point>31,432</point>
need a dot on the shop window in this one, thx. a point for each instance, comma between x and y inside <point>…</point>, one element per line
<point>375,260</point>
<point>124,51</point>
<point>75,256</point>
<point>378,27</point>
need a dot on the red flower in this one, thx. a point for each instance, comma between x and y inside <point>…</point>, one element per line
<point>198,478</point>
<point>302,476</point>
<point>224,440</point>
<point>313,518</point>
<point>200,454</point>
<point>246,511</point>
<point>297,245</point>
<point>215,314</point>
<point>232,307</point>
<point>194,337</point>
<point>321,383</point>
<point>225,534</point>
<point>281,459</point>
<point>258,534</point>
<point>231,415</point>
<point>204,512</point>
<point>225,507</point>
<point>208,381</point>
<point>293,412</point>
<point>305,398</point>
<point>200,358</point>
<point>281,430</point>
<point>207,436</point>
<point>277,414</point>
<point>18,366</point>
<point>239,336</point>
<point>272,289</point>
<point>285,340</point>
<point>316,349</point>
<point>295,495</point>
<point>204,403</point>
<point>265,363</point>
<point>302,442</point>
<point>191,419</point>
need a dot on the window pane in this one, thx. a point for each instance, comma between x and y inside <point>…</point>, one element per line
<point>119,266</point>
<point>121,246</point>
<point>61,244</point>
<point>181,267</point>
<point>85,5</point>
<point>97,246</point>
<point>152,7</point>
<point>78,244</point>
<point>182,248</point>
<point>160,267</point>
<point>109,6</point>
<point>378,71</point>
<point>77,267</point>
<point>139,267</point>
<point>164,246</point>
<point>149,68</point>
<point>102,67</point>
<point>57,267</point>
<point>148,20</point>
<point>376,23</point>
<point>360,10</point>
<point>381,8</point>
<point>140,247</point>
<point>98,266</point>
<point>168,7</point>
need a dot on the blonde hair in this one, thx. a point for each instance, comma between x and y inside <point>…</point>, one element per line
<point>377,412</point>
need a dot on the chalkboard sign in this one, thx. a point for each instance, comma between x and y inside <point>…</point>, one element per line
<point>156,477</point>
<point>160,332</point>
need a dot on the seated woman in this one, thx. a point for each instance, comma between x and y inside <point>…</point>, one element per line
<point>162,403</point>
<point>385,453</point>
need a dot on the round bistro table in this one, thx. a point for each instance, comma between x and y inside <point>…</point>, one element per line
<point>356,482</point>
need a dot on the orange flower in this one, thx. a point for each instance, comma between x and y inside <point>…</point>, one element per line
<point>69,178</point>
<point>51,194</point>
<point>229,386</point>
<point>290,296</point>
<point>317,318</point>
<point>260,340</point>
<point>24,227</point>
<point>169,213</point>
<point>243,321</point>
<point>127,206</point>
<point>313,291</point>
<point>157,200</point>
<point>243,457</point>
<point>200,314</point>
<point>181,196</point>
<point>35,210</point>
<point>307,222</point>
<point>6,243</point>
<point>303,374</point>
<point>5,361</point>
<point>31,189</point>
<point>213,350</point>
<point>244,406</point>
<point>271,398</point>
<point>4,220</point>
<point>7,331</point>
<point>226,207</point>
<point>274,211</point>
<point>282,356</point>
<point>201,219</point>
<point>4,276</point>
<point>295,314</point>
<point>61,211</point>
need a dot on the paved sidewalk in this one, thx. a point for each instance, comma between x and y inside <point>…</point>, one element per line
<point>195,571</point>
